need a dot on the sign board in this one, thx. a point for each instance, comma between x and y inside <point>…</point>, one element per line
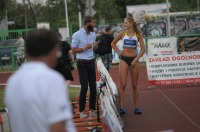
<point>63,32</point>
<point>140,13</point>
<point>43,26</point>
<point>162,46</point>
<point>156,28</point>
<point>193,22</point>
<point>89,10</point>
<point>173,69</point>
<point>143,28</point>
<point>178,26</point>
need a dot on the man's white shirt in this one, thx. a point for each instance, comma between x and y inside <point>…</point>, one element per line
<point>36,98</point>
<point>20,44</point>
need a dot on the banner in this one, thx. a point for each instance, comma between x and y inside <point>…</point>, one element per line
<point>143,28</point>
<point>191,43</point>
<point>156,28</point>
<point>178,26</point>
<point>193,22</point>
<point>162,46</point>
<point>42,25</point>
<point>142,13</point>
<point>174,69</point>
<point>64,34</point>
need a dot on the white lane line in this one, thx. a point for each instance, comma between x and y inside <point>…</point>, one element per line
<point>187,117</point>
<point>75,86</point>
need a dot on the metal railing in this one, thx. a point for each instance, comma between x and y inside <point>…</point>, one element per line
<point>12,34</point>
<point>9,58</point>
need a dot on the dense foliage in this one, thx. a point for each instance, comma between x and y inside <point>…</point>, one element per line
<point>54,11</point>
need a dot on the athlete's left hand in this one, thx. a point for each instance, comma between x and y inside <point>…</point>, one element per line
<point>133,63</point>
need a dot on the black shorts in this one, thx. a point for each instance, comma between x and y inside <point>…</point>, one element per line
<point>66,72</point>
<point>127,59</point>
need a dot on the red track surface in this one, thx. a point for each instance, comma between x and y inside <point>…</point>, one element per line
<point>174,108</point>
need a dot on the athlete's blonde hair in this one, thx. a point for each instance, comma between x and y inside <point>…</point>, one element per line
<point>135,27</point>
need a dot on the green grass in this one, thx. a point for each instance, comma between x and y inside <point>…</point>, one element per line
<point>73,92</point>
<point>1,99</point>
<point>5,68</point>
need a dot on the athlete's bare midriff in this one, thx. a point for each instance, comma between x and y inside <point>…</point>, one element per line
<point>130,52</point>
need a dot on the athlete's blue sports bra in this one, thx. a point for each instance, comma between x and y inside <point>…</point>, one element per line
<point>130,42</point>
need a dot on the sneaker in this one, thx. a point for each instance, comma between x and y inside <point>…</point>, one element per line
<point>93,114</point>
<point>137,111</point>
<point>122,111</point>
<point>83,115</point>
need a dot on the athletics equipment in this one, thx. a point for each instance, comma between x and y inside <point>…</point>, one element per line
<point>107,96</point>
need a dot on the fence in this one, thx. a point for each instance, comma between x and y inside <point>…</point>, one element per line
<point>12,34</point>
<point>154,46</point>
<point>9,59</point>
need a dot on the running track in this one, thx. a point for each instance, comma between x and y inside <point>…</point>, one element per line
<point>165,108</point>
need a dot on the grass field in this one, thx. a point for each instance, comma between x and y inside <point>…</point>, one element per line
<point>1,99</point>
<point>73,92</point>
<point>7,68</point>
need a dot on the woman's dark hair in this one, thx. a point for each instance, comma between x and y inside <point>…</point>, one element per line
<point>40,42</point>
<point>87,19</point>
<point>135,27</point>
<point>58,35</point>
<point>108,28</point>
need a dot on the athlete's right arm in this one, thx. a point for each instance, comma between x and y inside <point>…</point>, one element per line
<point>114,42</point>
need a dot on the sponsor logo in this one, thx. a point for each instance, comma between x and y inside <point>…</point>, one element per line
<point>161,45</point>
<point>131,43</point>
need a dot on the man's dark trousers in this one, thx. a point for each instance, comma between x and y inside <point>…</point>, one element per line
<point>87,74</point>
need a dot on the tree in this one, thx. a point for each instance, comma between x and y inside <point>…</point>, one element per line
<point>3,4</point>
<point>107,9</point>
<point>53,11</point>
<point>31,11</point>
<point>15,12</point>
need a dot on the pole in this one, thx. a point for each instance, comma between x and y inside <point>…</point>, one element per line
<point>197,5</point>
<point>80,20</point>
<point>67,21</point>
<point>168,19</point>
<point>7,19</point>
<point>79,15</point>
<point>90,8</point>
<point>3,37</point>
<point>26,24</point>
<point>25,13</point>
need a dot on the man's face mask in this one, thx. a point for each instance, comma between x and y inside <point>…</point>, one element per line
<point>90,28</point>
